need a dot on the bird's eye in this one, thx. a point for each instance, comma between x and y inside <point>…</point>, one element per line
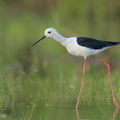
<point>49,32</point>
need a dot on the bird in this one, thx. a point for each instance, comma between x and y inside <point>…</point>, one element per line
<point>83,47</point>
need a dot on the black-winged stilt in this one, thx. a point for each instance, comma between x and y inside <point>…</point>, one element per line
<point>83,46</point>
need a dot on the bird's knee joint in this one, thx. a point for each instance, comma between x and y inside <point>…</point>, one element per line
<point>114,100</point>
<point>82,85</point>
<point>108,66</point>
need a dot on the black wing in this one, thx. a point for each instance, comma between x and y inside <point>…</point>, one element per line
<point>93,43</point>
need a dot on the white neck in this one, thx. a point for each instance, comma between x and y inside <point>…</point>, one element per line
<point>59,38</point>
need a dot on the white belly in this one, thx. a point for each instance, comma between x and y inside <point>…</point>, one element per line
<point>77,50</point>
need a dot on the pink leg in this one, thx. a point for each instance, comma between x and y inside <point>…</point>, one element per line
<point>110,78</point>
<point>115,113</point>
<point>82,84</point>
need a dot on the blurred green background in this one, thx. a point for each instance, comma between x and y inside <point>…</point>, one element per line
<point>47,73</point>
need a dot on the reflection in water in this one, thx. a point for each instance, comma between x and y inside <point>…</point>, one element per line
<point>78,117</point>
<point>66,112</point>
<point>113,116</point>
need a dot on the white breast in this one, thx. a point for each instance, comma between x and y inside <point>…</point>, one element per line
<point>75,49</point>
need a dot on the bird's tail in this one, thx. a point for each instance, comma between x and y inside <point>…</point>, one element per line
<point>113,43</point>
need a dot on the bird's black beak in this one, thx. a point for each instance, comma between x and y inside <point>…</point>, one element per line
<point>39,40</point>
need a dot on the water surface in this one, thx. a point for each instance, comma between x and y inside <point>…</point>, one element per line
<point>57,112</point>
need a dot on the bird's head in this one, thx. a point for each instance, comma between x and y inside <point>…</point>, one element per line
<point>49,32</point>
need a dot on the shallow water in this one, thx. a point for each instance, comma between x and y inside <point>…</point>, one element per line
<point>56,112</point>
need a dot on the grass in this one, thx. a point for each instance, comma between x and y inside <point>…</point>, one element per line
<point>46,74</point>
